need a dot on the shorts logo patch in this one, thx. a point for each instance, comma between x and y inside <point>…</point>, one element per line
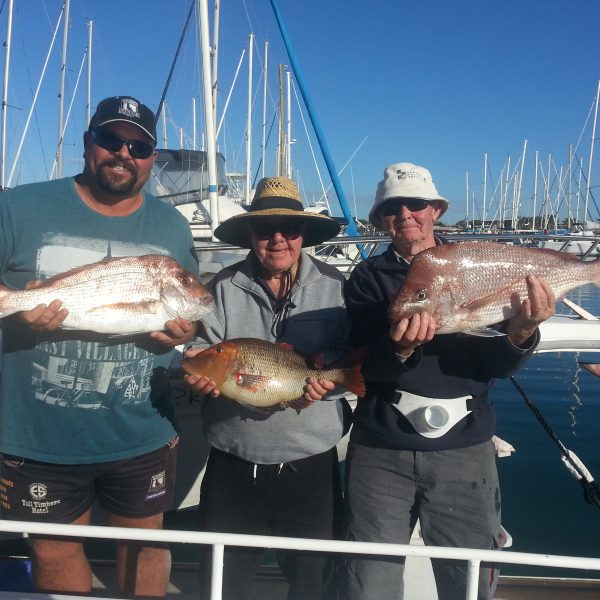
<point>38,504</point>
<point>157,486</point>
<point>157,482</point>
<point>38,491</point>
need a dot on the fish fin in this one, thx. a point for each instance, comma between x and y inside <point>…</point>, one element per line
<point>285,345</point>
<point>353,380</point>
<point>298,404</point>
<point>593,368</point>
<point>351,366</point>
<point>484,332</point>
<point>263,410</point>
<point>252,381</point>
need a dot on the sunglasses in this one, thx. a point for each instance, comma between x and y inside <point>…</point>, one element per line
<point>113,143</point>
<point>290,230</point>
<point>392,207</point>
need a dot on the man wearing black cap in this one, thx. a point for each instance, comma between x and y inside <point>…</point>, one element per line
<point>86,417</point>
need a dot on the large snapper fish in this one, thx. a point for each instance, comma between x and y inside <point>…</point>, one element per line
<point>467,286</point>
<point>121,296</point>
<point>261,374</point>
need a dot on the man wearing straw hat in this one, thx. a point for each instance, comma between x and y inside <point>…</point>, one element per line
<point>276,473</point>
<point>402,465</point>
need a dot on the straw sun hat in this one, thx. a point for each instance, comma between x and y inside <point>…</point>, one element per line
<point>276,198</point>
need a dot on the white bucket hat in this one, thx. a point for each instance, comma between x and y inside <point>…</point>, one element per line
<point>405,180</point>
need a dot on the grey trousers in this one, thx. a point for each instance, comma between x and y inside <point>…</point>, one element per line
<point>454,494</point>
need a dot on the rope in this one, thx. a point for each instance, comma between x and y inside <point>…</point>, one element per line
<point>591,490</point>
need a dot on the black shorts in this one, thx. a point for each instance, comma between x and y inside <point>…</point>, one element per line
<point>134,488</point>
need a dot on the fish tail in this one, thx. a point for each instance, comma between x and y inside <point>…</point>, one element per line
<point>350,367</point>
<point>353,380</point>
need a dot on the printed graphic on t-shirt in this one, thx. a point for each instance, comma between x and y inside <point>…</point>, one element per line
<point>75,373</point>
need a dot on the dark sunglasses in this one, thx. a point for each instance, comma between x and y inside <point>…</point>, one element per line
<point>290,230</point>
<point>392,207</point>
<point>113,143</point>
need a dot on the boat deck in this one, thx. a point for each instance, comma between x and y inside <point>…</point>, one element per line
<point>270,585</point>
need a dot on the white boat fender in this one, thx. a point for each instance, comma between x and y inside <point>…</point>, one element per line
<point>432,417</point>
<point>503,448</point>
<point>576,467</point>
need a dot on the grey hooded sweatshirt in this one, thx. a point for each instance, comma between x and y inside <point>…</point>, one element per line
<point>313,320</point>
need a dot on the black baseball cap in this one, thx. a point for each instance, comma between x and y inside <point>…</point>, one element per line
<point>126,109</point>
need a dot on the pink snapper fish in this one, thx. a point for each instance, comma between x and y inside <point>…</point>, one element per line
<point>120,296</point>
<point>467,286</point>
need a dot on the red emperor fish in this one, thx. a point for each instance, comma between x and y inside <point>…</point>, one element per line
<point>261,374</point>
<point>467,286</point>
<point>119,296</point>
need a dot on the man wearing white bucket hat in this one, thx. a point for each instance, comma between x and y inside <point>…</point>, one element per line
<point>421,444</point>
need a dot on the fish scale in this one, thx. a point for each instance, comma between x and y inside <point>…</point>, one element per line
<point>286,371</point>
<point>468,285</point>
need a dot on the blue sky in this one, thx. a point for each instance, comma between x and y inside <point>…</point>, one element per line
<point>435,82</point>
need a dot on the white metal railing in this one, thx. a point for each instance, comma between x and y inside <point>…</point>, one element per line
<point>474,557</point>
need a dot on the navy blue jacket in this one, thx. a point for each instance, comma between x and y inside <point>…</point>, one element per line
<point>449,366</point>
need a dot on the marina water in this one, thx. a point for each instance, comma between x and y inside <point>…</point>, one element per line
<point>543,506</point>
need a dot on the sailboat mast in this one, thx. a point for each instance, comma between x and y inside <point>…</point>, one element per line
<point>211,146</point>
<point>5,92</point>
<point>519,187</point>
<point>264,111</point>
<point>215,58</point>
<point>61,95</point>
<point>535,189</point>
<point>589,175</point>
<point>289,126</point>
<point>467,190</point>
<point>485,170</point>
<point>194,124</point>
<point>164,124</point>
<point>249,119</point>
<point>281,145</point>
<point>88,103</point>
<point>547,193</point>
<point>570,187</point>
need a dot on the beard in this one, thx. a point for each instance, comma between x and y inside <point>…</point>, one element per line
<point>114,184</point>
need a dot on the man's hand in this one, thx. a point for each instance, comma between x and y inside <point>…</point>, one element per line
<point>411,332</point>
<point>315,389</point>
<point>178,331</point>
<point>44,317</point>
<point>199,383</point>
<point>536,308</point>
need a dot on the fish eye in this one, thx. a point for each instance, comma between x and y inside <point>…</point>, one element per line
<point>219,349</point>
<point>185,280</point>
<point>421,295</point>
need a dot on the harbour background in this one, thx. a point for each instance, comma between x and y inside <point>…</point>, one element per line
<point>543,507</point>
